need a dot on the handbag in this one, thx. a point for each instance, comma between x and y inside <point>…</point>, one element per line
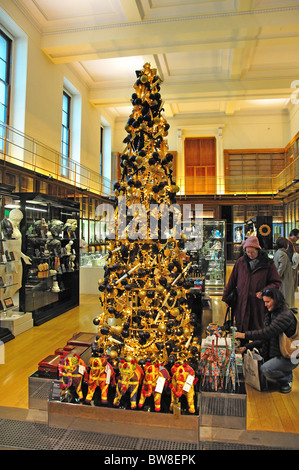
<point>232,298</point>
<point>252,362</point>
<point>289,346</point>
<point>228,320</point>
<point>295,260</point>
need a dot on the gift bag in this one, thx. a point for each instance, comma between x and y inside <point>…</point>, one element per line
<point>252,362</point>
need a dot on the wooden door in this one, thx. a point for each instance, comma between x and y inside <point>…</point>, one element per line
<point>200,165</point>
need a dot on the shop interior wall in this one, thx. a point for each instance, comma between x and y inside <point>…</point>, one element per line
<point>43,88</point>
<point>258,131</point>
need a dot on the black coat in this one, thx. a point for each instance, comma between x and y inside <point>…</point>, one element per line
<point>249,312</point>
<point>266,340</point>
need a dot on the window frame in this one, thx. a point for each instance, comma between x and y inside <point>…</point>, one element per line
<point>65,135</point>
<point>8,74</point>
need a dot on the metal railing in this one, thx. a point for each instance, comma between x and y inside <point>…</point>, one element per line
<point>22,150</point>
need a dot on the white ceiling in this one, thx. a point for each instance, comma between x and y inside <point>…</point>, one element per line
<point>216,57</point>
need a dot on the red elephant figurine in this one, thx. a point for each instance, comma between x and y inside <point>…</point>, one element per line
<point>180,373</point>
<point>131,376</point>
<point>152,372</point>
<point>101,374</point>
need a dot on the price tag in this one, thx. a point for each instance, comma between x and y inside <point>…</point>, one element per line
<point>108,374</point>
<point>188,383</point>
<point>160,385</point>
<point>81,369</point>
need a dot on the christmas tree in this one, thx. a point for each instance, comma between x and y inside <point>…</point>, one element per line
<point>144,294</point>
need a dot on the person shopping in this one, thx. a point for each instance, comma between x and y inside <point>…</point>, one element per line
<point>252,273</point>
<point>285,270</point>
<point>278,319</point>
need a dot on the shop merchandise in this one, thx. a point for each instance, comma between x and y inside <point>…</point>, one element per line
<point>156,377</point>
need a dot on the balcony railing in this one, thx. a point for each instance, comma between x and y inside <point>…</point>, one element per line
<point>21,150</point>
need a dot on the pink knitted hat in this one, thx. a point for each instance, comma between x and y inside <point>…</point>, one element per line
<point>253,242</point>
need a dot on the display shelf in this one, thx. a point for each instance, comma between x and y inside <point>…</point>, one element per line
<point>212,255</point>
<point>50,239</point>
<point>7,270</point>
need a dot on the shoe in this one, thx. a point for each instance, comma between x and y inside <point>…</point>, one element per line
<point>286,388</point>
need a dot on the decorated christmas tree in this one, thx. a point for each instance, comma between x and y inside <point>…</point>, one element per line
<point>145,315</point>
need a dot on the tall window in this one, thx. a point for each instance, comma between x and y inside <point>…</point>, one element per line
<point>101,150</point>
<point>65,134</point>
<point>5,66</point>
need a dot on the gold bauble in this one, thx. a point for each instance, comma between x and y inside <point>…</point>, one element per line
<point>162,328</point>
<point>142,294</point>
<point>174,312</point>
<point>143,78</point>
<point>160,289</point>
<point>113,354</point>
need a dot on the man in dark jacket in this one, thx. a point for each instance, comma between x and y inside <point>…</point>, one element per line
<point>251,274</point>
<point>278,319</point>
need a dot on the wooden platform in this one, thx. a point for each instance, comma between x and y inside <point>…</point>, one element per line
<point>266,411</point>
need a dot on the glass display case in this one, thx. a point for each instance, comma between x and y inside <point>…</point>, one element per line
<point>50,239</point>
<point>92,260</point>
<point>7,267</point>
<point>212,255</point>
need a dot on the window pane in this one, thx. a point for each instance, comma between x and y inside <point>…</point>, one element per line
<point>2,70</point>
<point>3,93</point>
<point>2,113</point>
<point>3,48</point>
<point>64,119</point>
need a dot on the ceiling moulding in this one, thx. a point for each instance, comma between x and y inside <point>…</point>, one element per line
<point>268,12</point>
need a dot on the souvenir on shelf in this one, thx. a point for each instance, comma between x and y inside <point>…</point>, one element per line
<point>156,377</point>
<point>53,275</point>
<point>72,370</point>
<point>101,374</point>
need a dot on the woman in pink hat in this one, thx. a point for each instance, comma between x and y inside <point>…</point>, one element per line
<point>252,273</point>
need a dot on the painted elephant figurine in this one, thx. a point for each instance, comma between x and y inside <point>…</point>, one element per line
<point>180,373</point>
<point>131,376</point>
<point>151,374</point>
<point>72,370</point>
<point>101,374</point>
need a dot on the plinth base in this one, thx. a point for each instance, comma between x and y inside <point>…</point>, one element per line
<point>17,322</point>
<point>134,423</point>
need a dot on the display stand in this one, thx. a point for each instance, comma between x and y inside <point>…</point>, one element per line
<point>12,322</point>
<point>50,238</point>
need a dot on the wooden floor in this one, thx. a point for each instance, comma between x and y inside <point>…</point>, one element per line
<point>266,411</point>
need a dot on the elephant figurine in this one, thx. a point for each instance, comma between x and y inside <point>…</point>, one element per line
<point>180,373</point>
<point>131,376</point>
<point>151,374</point>
<point>101,374</point>
<point>71,370</point>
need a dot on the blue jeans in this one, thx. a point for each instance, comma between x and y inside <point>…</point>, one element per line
<point>279,369</point>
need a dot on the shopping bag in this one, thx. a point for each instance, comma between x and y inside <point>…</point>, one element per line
<point>252,362</point>
<point>289,347</point>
